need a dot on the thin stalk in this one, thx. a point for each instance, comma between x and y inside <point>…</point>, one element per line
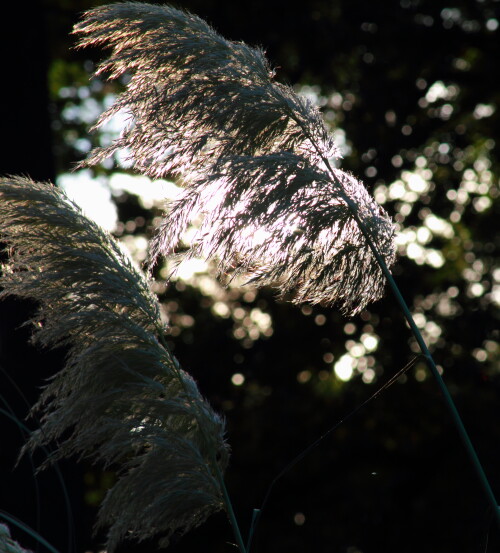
<point>230,510</point>
<point>33,533</point>
<point>420,340</point>
<point>432,367</point>
<point>429,360</point>
<point>258,512</point>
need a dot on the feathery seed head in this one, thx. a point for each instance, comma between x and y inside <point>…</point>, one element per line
<point>121,398</point>
<point>253,157</point>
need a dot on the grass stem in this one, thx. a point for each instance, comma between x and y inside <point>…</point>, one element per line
<point>230,511</point>
<point>432,367</point>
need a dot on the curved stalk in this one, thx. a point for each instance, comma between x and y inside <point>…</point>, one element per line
<point>430,362</point>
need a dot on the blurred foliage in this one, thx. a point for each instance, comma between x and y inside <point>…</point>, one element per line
<point>410,88</point>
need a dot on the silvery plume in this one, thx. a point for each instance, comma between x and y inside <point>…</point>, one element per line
<point>255,158</point>
<point>121,398</point>
<point>9,545</point>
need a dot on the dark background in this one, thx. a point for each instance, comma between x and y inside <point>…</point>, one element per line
<point>394,477</point>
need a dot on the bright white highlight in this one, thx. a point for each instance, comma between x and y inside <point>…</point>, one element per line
<point>92,196</point>
<point>344,367</point>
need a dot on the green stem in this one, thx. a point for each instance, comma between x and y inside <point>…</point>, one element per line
<point>230,510</point>
<point>432,366</point>
<point>418,336</point>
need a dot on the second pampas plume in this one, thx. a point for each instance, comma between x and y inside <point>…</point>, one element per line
<point>122,398</point>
